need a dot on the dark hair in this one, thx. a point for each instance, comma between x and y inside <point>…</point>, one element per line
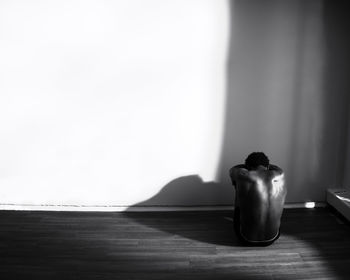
<point>255,159</point>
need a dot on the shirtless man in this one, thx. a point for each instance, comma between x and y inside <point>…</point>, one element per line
<point>260,195</point>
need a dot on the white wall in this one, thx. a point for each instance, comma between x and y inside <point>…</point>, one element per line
<point>150,102</point>
<point>105,102</point>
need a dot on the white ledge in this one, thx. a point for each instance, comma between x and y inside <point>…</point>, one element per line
<point>340,200</point>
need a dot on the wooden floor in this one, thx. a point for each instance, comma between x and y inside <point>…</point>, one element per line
<point>314,244</point>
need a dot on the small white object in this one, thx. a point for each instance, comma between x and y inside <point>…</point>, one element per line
<point>310,204</point>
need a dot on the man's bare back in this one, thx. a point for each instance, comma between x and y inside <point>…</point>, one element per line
<point>260,196</point>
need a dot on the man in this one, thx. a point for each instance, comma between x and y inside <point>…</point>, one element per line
<point>260,195</point>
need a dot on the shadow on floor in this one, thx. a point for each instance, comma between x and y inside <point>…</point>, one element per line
<point>314,244</point>
<point>189,191</point>
<point>309,237</point>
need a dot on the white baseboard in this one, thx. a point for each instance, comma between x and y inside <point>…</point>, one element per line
<point>89,208</point>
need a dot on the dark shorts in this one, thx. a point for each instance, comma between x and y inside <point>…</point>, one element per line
<point>242,239</point>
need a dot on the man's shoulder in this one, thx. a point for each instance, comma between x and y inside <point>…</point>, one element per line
<point>275,169</point>
<point>239,170</point>
<point>276,173</point>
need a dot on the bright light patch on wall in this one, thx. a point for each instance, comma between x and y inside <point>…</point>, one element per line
<point>105,102</point>
<point>310,204</point>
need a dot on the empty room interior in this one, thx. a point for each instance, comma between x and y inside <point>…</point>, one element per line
<point>174,139</point>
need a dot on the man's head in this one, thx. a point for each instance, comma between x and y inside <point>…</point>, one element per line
<point>257,159</point>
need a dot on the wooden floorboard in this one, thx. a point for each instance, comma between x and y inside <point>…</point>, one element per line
<point>314,244</point>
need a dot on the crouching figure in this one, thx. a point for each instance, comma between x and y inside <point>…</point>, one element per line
<point>260,196</point>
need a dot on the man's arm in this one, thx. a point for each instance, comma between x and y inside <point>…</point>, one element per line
<point>236,172</point>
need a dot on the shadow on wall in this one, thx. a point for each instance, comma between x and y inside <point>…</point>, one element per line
<point>183,191</point>
<point>288,91</point>
<point>336,84</point>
